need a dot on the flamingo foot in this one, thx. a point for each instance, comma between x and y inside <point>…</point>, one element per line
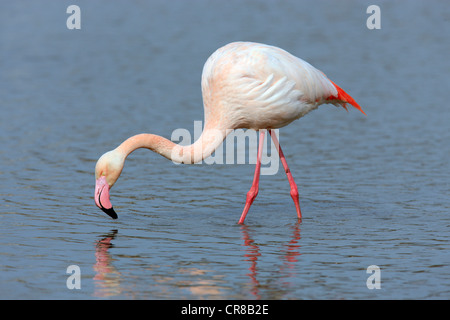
<point>292,184</point>
<point>251,195</point>
<point>253,192</point>
<point>295,197</point>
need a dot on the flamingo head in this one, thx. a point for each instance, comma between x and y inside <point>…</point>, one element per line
<point>107,171</point>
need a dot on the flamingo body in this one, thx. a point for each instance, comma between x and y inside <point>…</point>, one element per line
<point>244,85</point>
<point>257,86</point>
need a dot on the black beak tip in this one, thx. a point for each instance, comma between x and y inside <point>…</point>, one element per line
<point>110,212</point>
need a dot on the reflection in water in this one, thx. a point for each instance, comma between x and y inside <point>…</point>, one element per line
<point>290,257</point>
<point>109,281</point>
<point>292,248</point>
<point>107,278</point>
<point>202,284</point>
<point>252,254</point>
<point>198,282</point>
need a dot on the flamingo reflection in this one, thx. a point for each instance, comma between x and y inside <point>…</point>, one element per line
<point>252,256</point>
<point>291,252</point>
<point>292,248</point>
<point>107,279</point>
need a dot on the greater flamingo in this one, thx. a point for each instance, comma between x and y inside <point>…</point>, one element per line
<point>244,85</point>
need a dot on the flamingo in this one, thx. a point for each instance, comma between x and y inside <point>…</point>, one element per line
<point>244,85</point>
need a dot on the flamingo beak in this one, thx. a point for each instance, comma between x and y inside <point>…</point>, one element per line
<point>102,197</point>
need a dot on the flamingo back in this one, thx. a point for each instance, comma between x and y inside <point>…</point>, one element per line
<point>257,86</point>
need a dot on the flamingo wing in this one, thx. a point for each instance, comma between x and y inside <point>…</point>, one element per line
<point>262,86</point>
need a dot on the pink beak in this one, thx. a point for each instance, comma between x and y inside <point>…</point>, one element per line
<point>102,197</point>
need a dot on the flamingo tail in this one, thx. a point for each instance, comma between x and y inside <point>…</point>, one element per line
<point>343,98</point>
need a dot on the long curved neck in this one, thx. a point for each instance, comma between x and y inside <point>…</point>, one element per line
<point>205,145</point>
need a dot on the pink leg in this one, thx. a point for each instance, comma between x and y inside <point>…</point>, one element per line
<point>294,190</point>
<point>253,192</point>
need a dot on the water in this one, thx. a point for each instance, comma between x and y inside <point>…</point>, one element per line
<point>374,190</point>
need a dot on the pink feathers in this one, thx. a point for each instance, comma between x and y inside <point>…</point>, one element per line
<point>343,98</point>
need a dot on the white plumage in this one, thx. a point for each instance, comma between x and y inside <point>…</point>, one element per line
<point>244,85</point>
<point>261,86</point>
